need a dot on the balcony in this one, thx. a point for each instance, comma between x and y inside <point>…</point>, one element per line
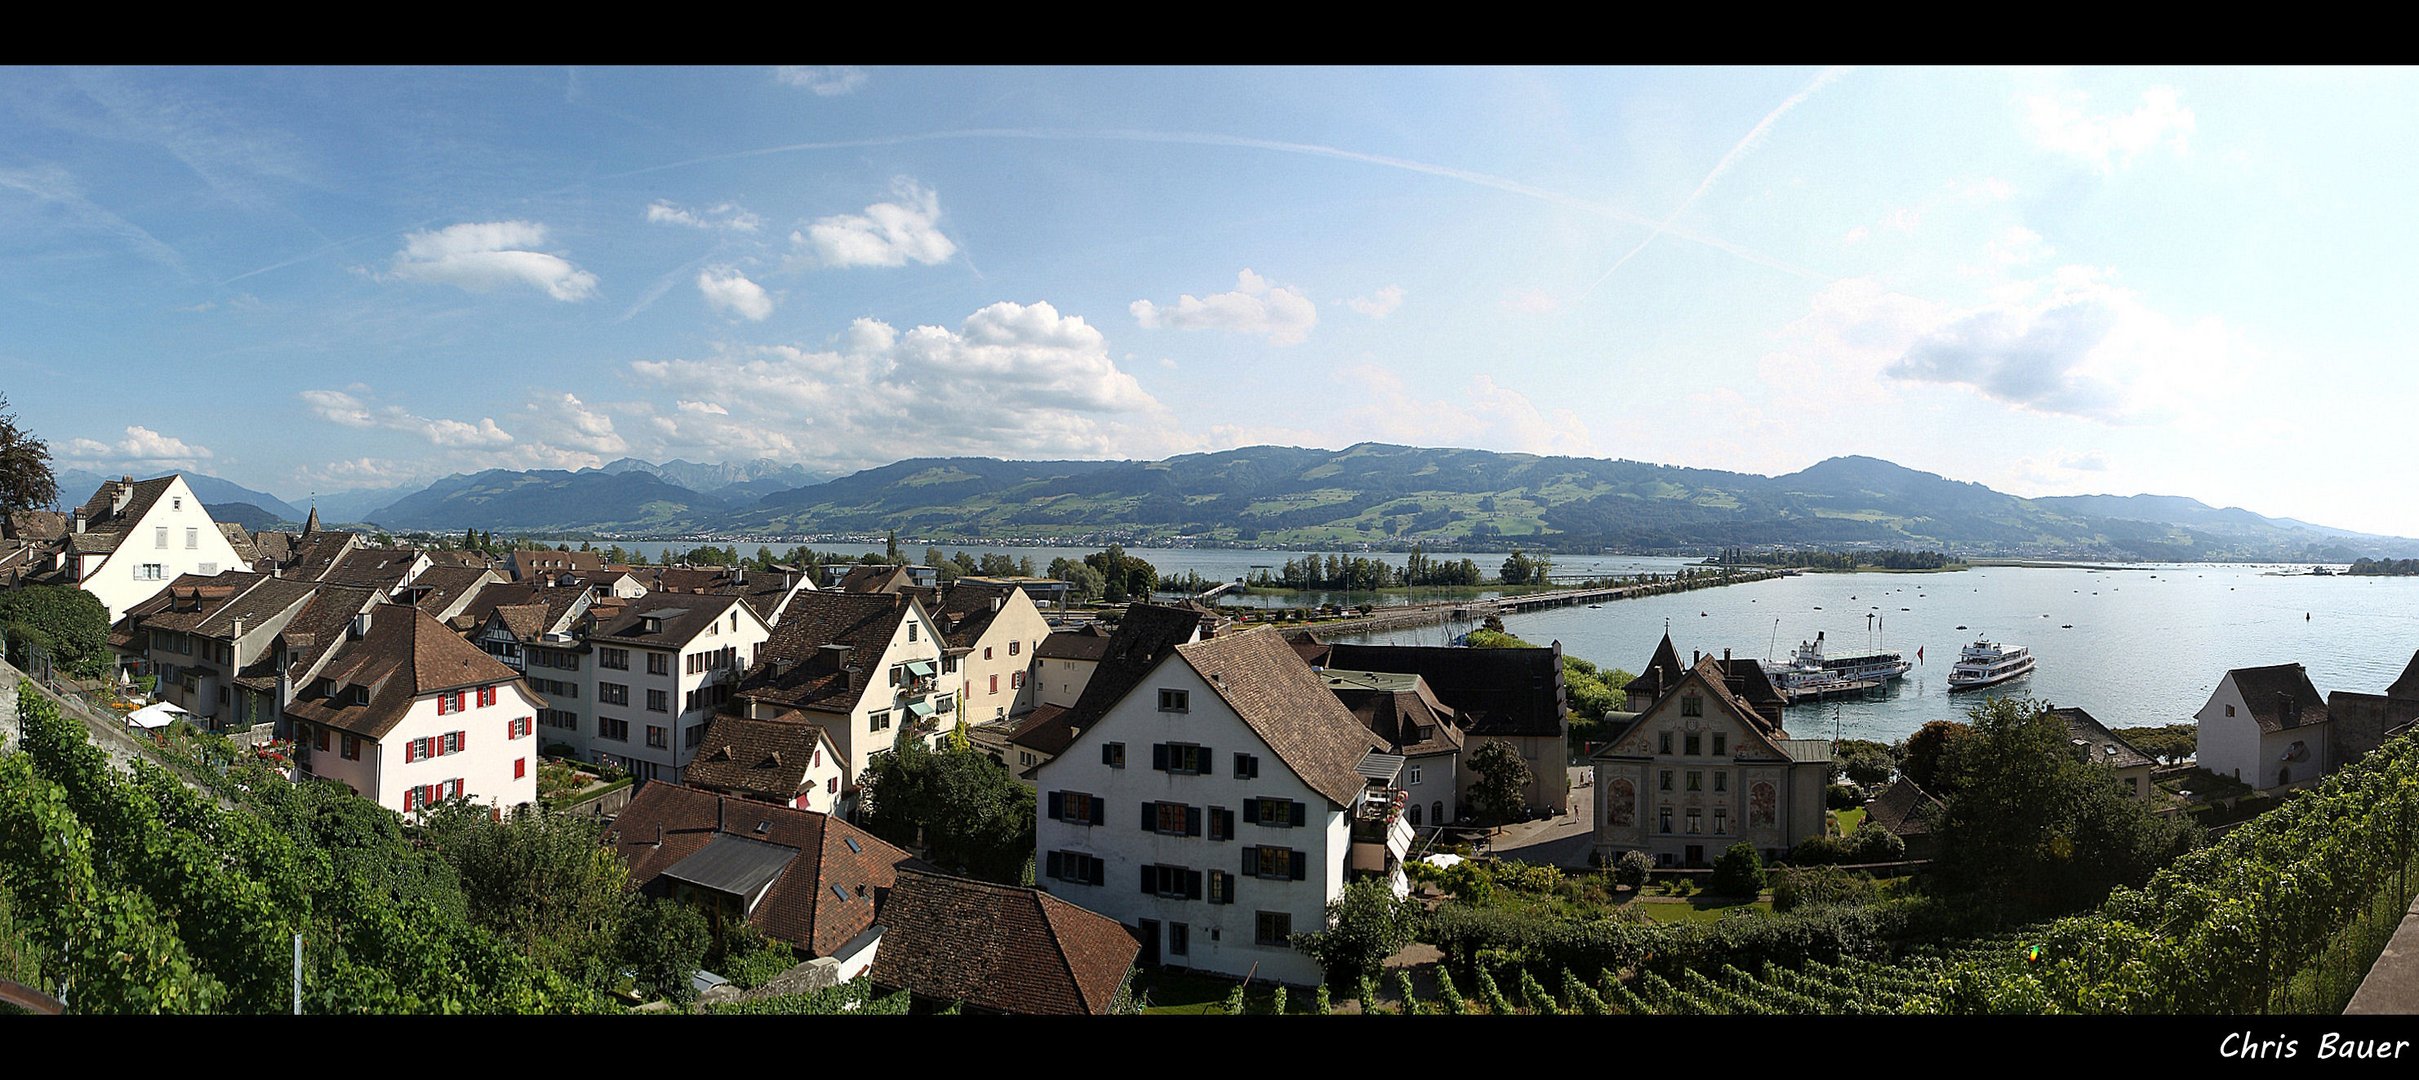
<point>1381,836</point>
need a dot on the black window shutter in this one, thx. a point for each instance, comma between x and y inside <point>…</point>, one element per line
<point>1150,817</point>
<point>1097,868</point>
<point>1254,761</point>
<point>1192,884</point>
<point>1150,883</point>
<point>1207,763</point>
<point>1251,861</point>
<point>1251,811</point>
<point>1100,812</point>
<point>1053,861</point>
<point>1192,821</point>
<point>1106,752</point>
<point>1159,756</point>
<point>1301,815</point>
<point>1301,865</point>
<point>1055,805</point>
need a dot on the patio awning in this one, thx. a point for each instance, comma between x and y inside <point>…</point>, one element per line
<point>155,716</point>
<point>920,668</point>
<point>922,709</point>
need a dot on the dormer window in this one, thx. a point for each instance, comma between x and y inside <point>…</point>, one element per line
<point>361,695</point>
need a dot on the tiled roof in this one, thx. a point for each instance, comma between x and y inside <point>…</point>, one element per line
<point>240,540</point>
<point>2279,696</point>
<point>2101,745</point>
<point>792,668</point>
<point>759,759</point>
<point>999,948</point>
<point>1397,713</point>
<point>99,518</point>
<point>1145,636</point>
<point>678,618</point>
<point>317,553</point>
<point>967,611</point>
<point>1045,730</point>
<point>1288,706</point>
<point>37,524</point>
<point>316,631</point>
<point>801,907</point>
<point>441,585</point>
<point>557,601</point>
<point>869,579</point>
<point>1308,646</point>
<point>373,567</point>
<point>528,564</point>
<point>404,656</point>
<point>763,590</point>
<point>1505,693</point>
<point>1662,670</point>
<point>1904,809</point>
<point>1760,742</point>
<point>1089,643</point>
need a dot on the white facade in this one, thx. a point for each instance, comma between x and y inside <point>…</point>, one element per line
<point>998,676</point>
<point>2231,743</point>
<point>1225,937</point>
<point>891,697</point>
<point>175,536</point>
<point>476,753</point>
<point>1060,680</point>
<point>650,702</point>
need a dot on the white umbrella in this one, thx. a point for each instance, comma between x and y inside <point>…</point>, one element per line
<point>154,716</point>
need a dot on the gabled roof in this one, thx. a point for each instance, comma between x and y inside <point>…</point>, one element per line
<point>2407,686</point>
<point>758,759</point>
<point>1396,708</point>
<point>405,656</point>
<point>373,567</point>
<point>314,554</point>
<point>36,524</point>
<point>1904,809</point>
<point>1662,670</point>
<point>1759,741</point>
<point>763,590</point>
<point>999,947</point>
<point>1044,730</point>
<point>240,540</point>
<point>100,518</point>
<point>1287,706</point>
<point>800,907</point>
<point>870,579</point>
<point>441,586</point>
<point>1308,646</point>
<point>1505,693</point>
<point>315,632</point>
<point>1089,643</point>
<point>2100,745</point>
<point>967,611</point>
<point>556,601</point>
<point>677,619</point>
<point>2279,696</point>
<point>1144,637</point>
<point>792,666</point>
<point>210,607</point>
<point>528,564</point>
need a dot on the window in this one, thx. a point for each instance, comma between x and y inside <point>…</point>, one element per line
<point>1695,744</point>
<point>911,631</point>
<point>1247,766</point>
<point>520,768</point>
<point>995,684</point>
<point>661,664</point>
<point>487,696</point>
<point>1171,882</point>
<point>1275,863</point>
<point>151,571</point>
<point>658,738</point>
<point>2229,710</point>
<point>322,740</point>
<point>986,652</point>
<point>159,537</point>
<point>832,786</point>
<point>1075,807</point>
<point>1696,780</point>
<point>1273,928</point>
<point>1179,935</point>
<point>1663,745</point>
<point>1412,775</point>
<point>612,693</point>
<point>1172,819</point>
<point>1026,758</point>
<point>1073,866</point>
<point>1281,813</point>
<point>1721,745</point>
<point>1012,647</point>
<point>1696,820</point>
<point>1174,700</point>
<point>209,569</point>
<point>1692,705</point>
<point>1221,887</point>
<point>1221,823</point>
<point>193,539</point>
<point>1183,758</point>
<point>879,722</point>
<point>1721,780</point>
<point>517,727</point>
<point>1721,821</point>
<point>352,748</point>
<point>659,701</point>
<point>449,743</point>
<point>693,734</point>
<point>449,703</point>
<point>610,728</point>
<point>1016,680</point>
<point>1663,819</point>
<point>1113,755</point>
<point>176,502</point>
<point>1666,780</point>
<point>617,659</point>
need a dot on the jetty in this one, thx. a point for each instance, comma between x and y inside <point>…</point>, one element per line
<point>1415,615</point>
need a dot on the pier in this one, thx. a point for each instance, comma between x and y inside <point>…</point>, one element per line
<point>1416,615</point>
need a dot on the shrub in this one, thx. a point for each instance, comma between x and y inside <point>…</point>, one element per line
<point>1633,869</point>
<point>1842,797</point>
<point>1796,888</point>
<point>1739,872</point>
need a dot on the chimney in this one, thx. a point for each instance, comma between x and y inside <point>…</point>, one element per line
<point>659,834</point>
<point>78,519</point>
<point>739,575</point>
<point>235,647</point>
<point>361,624</point>
<point>125,494</point>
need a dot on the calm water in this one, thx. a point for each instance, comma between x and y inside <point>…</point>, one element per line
<point>2146,646</point>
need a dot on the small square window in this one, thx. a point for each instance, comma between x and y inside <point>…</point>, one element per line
<point>1695,744</point>
<point>1273,928</point>
<point>1692,705</point>
<point>1175,700</point>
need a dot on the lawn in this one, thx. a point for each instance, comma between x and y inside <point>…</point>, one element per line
<point>1700,910</point>
<point>1849,820</point>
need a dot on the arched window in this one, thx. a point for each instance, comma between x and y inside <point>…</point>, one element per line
<point>1415,815</point>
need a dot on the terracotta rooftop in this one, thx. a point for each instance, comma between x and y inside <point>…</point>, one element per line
<point>1288,706</point>
<point>999,948</point>
<point>757,759</point>
<point>404,656</point>
<point>828,891</point>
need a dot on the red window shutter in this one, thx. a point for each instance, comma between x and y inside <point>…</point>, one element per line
<point>520,768</point>
<point>995,684</point>
<point>461,739</point>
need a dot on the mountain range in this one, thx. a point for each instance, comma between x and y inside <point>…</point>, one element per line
<point>1371,494</point>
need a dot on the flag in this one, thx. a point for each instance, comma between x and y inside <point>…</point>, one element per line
<point>1919,654</point>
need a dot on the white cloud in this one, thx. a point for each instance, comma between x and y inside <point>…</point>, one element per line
<point>482,257</point>
<point>2017,245</point>
<point>570,422</point>
<point>825,81</point>
<point>338,407</point>
<point>730,216</point>
<point>1281,313</point>
<point>2107,141</point>
<point>1379,304</point>
<point>142,447</point>
<point>1856,235</point>
<point>886,234</point>
<point>729,291</point>
<point>1011,380</point>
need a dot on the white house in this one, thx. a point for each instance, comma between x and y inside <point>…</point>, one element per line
<point>133,537</point>
<point>1001,633</point>
<point>658,670</point>
<point>1064,664</point>
<point>865,667</point>
<point>2265,726</point>
<point>408,714</point>
<point>788,762</point>
<point>1218,806</point>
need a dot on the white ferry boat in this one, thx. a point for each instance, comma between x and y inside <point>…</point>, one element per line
<point>1984,664</point>
<point>1808,666</point>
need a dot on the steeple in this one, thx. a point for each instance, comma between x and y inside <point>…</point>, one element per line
<point>311,526</point>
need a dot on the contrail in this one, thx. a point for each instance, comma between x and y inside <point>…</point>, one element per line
<point>1754,136</point>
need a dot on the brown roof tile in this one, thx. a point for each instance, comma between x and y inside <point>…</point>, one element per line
<point>999,948</point>
<point>1904,809</point>
<point>1505,693</point>
<point>800,906</point>
<point>404,656</point>
<point>2102,746</point>
<point>758,759</point>
<point>1288,706</point>
<point>2279,696</point>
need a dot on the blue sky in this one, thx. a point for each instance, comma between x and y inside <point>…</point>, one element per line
<point>2048,281</point>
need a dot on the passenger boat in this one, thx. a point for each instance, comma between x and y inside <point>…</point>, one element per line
<point>1808,666</point>
<point>1984,664</point>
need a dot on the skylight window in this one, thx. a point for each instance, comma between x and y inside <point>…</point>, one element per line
<point>851,841</point>
<point>840,892</point>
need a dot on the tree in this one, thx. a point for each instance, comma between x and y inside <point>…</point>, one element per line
<point>958,803</point>
<point>663,941</point>
<point>1633,869</point>
<point>542,881</point>
<point>2168,742</point>
<point>1502,792</point>
<point>1927,750</point>
<point>890,550</point>
<point>1864,762</point>
<point>69,622</point>
<point>1367,924</point>
<point>1739,872</point>
<point>26,479</point>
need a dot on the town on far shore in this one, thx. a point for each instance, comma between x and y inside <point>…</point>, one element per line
<point>452,774</point>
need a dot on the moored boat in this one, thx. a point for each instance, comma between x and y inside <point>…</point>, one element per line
<point>1986,664</point>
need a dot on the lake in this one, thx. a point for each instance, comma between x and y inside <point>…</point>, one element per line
<point>2146,646</point>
